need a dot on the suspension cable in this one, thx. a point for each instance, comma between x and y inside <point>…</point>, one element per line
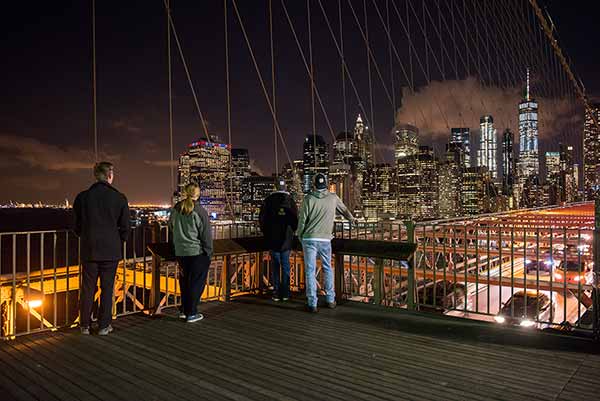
<point>187,73</point>
<point>275,139</point>
<point>228,96</point>
<point>312,83</point>
<point>170,78</point>
<point>94,101</point>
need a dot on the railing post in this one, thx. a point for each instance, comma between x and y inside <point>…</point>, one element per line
<point>378,291</point>
<point>410,233</point>
<point>154,299</point>
<point>339,278</point>
<point>226,278</point>
<point>596,289</point>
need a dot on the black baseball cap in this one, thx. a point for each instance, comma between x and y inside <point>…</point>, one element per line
<point>320,181</point>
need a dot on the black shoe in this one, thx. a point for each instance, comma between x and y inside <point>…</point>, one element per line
<point>311,309</point>
<point>331,305</point>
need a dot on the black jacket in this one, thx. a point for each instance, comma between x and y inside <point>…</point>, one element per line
<point>278,221</point>
<point>101,222</point>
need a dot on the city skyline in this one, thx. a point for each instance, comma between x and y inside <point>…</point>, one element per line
<point>45,140</point>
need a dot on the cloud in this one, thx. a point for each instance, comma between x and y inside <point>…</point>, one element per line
<point>161,163</point>
<point>256,168</point>
<point>439,106</point>
<point>34,153</point>
<point>126,124</point>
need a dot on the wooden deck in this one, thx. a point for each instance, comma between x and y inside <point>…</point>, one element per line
<point>257,350</point>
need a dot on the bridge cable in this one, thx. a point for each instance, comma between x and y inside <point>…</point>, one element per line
<point>170,79</point>
<point>275,139</point>
<point>94,97</point>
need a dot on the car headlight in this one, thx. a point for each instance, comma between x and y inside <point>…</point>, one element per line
<point>499,319</point>
<point>527,323</point>
<point>576,278</point>
<point>558,276</point>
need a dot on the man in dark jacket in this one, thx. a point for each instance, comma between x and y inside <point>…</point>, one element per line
<point>102,224</point>
<point>278,221</point>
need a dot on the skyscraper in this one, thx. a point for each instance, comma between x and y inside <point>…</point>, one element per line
<point>343,147</point>
<point>207,163</point>
<point>379,192</point>
<point>427,199</point>
<point>552,190</point>
<point>488,146</point>
<point>255,189</point>
<point>363,142</point>
<point>292,174</point>
<point>591,151</point>
<point>240,169</point>
<point>508,164</point>
<point>406,149</point>
<point>315,160</point>
<point>528,136</point>
<point>568,181</point>
<point>450,182</point>
<point>462,136</point>
<point>473,190</point>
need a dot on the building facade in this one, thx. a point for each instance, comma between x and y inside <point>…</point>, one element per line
<point>591,152</point>
<point>427,199</point>
<point>207,163</point>
<point>406,148</point>
<point>379,192</point>
<point>488,146</point>
<point>255,189</point>
<point>528,136</point>
<point>315,160</point>
<point>508,164</point>
<point>462,137</point>
<point>240,169</point>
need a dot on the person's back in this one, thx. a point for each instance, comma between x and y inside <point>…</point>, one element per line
<point>317,215</point>
<point>191,232</point>
<point>102,224</point>
<point>279,221</point>
<point>315,230</point>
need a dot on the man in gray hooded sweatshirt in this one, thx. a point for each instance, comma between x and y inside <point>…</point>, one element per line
<point>315,228</point>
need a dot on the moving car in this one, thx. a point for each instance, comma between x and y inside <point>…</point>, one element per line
<point>573,272</point>
<point>527,309</point>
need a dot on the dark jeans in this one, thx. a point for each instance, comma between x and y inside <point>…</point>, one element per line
<point>91,271</point>
<point>281,273</point>
<point>192,281</point>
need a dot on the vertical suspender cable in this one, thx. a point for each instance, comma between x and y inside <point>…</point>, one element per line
<point>228,95</point>
<point>276,140</point>
<point>389,28</point>
<point>170,78</point>
<point>342,59</point>
<point>312,83</point>
<point>94,80</point>
<point>372,122</point>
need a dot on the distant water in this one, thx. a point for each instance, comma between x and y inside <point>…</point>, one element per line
<point>35,219</point>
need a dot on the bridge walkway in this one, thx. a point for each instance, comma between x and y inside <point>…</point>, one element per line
<point>253,349</point>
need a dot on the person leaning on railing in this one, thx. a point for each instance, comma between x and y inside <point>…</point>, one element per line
<point>192,240</point>
<point>278,220</point>
<point>102,224</point>
<point>315,227</point>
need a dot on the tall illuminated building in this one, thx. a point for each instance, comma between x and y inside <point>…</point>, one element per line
<point>488,147</point>
<point>427,199</point>
<point>508,163</point>
<point>379,192</point>
<point>343,147</point>
<point>255,189</point>
<point>450,182</point>
<point>473,190</point>
<point>552,190</point>
<point>240,169</point>
<point>568,181</point>
<point>591,151</point>
<point>528,136</point>
<point>363,142</point>
<point>462,137</point>
<point>292,174</point>
<point>315,160</point>
<point>406,148</point>
<point>207,163</point>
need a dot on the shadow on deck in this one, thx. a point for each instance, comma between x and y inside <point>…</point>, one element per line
<point>255,349</point>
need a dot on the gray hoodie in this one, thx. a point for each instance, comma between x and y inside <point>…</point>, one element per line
<point>317,215</point>
<point>192,234</point>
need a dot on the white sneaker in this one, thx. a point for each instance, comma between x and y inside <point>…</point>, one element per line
<point>194,318</point>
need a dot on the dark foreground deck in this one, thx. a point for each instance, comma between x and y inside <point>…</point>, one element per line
<point>252,349</point>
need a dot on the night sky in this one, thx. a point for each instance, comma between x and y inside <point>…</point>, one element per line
<point>46,142</point>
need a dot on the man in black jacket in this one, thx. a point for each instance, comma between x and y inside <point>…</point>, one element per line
<point>102,224</point>
<point>278,221</point>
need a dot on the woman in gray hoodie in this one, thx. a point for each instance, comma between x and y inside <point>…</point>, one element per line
<point>192,239</point>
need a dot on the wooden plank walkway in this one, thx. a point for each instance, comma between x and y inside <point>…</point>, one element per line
<point>256,350</point>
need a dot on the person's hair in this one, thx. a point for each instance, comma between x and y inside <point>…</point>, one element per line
<point>186,206</point>
<point>101,170</point>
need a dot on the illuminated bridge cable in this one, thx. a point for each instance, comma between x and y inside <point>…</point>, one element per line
<point>311,80</point>
<point>94,101</point>
<point>187,72</point>
<point>228,96</point>
<point>275,139</point>
<point>307,67</point>
<point>170,80</point>
<point>342,65</point>
<point>262,83</point>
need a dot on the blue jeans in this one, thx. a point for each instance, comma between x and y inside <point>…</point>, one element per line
<point>281,273</point>
<point>322,249</point>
